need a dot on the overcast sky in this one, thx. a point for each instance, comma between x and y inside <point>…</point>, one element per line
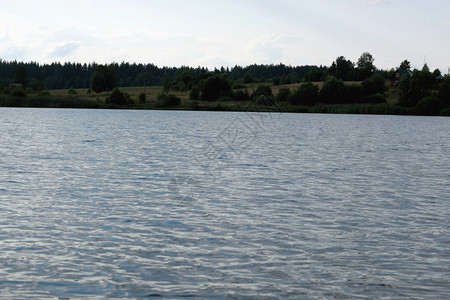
<point>212,33</point>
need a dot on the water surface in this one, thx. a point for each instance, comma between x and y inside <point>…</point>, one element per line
<point>105,203</point>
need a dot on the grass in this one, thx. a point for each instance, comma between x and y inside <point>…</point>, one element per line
<point>83,99</point>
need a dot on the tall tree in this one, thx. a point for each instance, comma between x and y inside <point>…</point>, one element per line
<point>103,79</point>
<point>20,76</point>
<point>342,69</point>
<point>405,65</point>
<point>365,65</point>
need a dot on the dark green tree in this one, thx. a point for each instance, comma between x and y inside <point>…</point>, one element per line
<point>215,87</point>
<point>444,91</point>
<point>241,95</point>
<point>333,90</point>
<point>283,94</point>
<point>195,93</point>
<point>342,69</point>
<point>374,85</point>
<point>415,87</point>
<point>118,97</point>
<point>365,66</point>
<point>405,65</point>
<point>307,94</point>
<point>142,97</point>
<point>263,95</point>
<point>20,76</point>
<point>103,79</point>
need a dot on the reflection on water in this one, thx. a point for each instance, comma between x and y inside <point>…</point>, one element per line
<point>98,203</point>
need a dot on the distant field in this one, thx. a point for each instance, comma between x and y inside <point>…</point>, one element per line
<point>152,93</point>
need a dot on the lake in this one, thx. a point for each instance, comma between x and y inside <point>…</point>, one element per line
<point>216,205</point>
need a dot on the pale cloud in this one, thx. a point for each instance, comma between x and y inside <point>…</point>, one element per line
<point>274,48</point>
<point>64,49</point>
<point>378,2</point>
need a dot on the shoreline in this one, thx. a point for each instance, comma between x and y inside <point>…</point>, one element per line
<point>80,103</point>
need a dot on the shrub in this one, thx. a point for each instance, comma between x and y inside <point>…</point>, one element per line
<point>333,90</point>
<point>18,92</point>
<point>444,91</point>
<point>283,94</point>
<point>195,93</point>
<point>214,87</point>
<point>225,99</point>
<point>118,97</point>
<point>142,97</point>
<point>353,93</point>
<point>169,100</point>
<point>238,86</point>
<point>71,91</point>
<point>262,90</point>
<point>374,85</point>
<point>241,95</point>
<point>375,98</point>
<point>429,106</point>
<point>306,94</point>
<point>44,93</point>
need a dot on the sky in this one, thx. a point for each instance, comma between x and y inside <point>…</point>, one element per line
<point>213,33</point>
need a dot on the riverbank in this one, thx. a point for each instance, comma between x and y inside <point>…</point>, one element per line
<point>82,98</point>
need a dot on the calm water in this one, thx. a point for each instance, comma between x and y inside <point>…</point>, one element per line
<point>102,204</point>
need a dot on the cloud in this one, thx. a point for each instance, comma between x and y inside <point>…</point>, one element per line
<point>273,48</point>
<point>378,2</point>
<point>3,33</point>
<point>65,49</point>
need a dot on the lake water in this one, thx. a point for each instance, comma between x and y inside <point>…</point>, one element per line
<point>166,204</point>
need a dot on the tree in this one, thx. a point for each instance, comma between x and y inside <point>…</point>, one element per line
<point>215,87</point>
<point>142,97</point>
<point>103,79</point>
<point>195,93</point>
<point>374,85</point>
<point>306,94</point>
<point>263,95</point>
<point>365,66</point>
<point>444,91</point>
<point>118,97</point>
<point>342,69</point>
<point>20,76</point>
<point>283,94</point>
<point>415,87</point>
<point>405,65</point>
<point>333,90</point>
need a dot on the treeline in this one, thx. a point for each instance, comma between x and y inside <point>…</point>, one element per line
<point>77,75</point>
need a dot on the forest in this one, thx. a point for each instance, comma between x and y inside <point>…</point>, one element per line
<point>402,89</point>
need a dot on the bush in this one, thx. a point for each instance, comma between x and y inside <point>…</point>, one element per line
<point>333,90</point>
<point>169,100</point>
<point>142,97</point>
<point>429,106</point>
<point>195,93</point>
<point>71,91</point>
<point>262,90</point>
<point>444,91</point>
<point>353,93</point>
<point>18,92</point>
<point>214,87</point>
<point>225,99</point>
<point>374,85</point>
<point>238,86</point>
<point>283,94</point>
<point>44,93</point>
<point>307,94</point>
<point>375,98</point>
<point>118,97</point>
<point>241,96</point>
